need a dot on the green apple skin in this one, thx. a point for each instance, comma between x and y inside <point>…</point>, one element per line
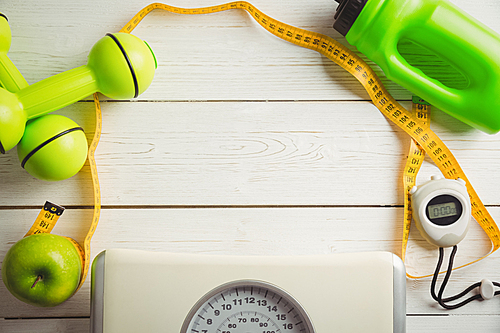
<point>53,258</point>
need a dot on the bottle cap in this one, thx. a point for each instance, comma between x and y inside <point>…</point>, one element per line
<point>347,12</point>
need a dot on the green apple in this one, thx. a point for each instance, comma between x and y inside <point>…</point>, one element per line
<point>42,269</point>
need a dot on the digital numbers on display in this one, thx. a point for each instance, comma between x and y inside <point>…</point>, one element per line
<point>442,210</point>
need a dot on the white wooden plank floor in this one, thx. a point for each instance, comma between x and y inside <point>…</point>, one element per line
<point>244,144</point>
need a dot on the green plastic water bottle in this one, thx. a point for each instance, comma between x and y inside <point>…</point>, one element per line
<point>378,28</point>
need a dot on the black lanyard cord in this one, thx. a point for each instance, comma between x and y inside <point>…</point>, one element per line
<point>439,297</point>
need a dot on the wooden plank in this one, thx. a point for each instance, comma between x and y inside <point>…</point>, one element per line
<point>415,324</point>
<point>453,324</point>
<point>280,153</point>
<point>255,231</point>
<point>73,325</point>
<point>189,49</point>
<point>187,70</point>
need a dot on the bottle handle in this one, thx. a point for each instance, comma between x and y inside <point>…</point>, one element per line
<point>418,82</point>
<point>465,44</point>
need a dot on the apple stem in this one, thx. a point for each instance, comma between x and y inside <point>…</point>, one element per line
<point>39,277</point>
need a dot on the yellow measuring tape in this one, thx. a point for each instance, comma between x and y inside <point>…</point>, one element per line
<point>414,124</point>
<point>416,154</point>
<point>48,216</point>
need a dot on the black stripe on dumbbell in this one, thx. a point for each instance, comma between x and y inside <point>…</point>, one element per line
<point>43,144</point>
<point>5,17</point>
<point>134,77</point>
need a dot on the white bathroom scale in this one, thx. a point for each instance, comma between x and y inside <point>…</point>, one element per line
<point>153,292</point>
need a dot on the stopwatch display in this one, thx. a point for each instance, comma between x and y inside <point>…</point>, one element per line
<point>247,307</point>
<point>444,209</point>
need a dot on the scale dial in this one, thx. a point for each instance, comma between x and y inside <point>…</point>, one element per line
<point>247,307</point>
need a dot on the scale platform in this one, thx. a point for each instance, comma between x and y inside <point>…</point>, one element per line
<point>142,291</point>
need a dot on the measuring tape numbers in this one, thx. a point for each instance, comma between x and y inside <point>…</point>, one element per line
<point>424,140</point>
<point>416,154</point>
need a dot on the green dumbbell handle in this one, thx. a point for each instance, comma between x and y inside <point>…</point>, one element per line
<point>64,89</point>
<point>71,86</point>
<point>10,77</point>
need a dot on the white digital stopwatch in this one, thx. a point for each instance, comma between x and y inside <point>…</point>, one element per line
<point>441,210</point>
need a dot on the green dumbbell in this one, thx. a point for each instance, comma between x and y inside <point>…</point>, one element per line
<point>120,66</point>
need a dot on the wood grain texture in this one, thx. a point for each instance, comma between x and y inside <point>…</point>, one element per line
<point>244,144</point>
<point>415,324</point>
<point>251,153</point>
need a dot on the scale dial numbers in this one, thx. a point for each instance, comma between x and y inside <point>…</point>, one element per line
<point>247,307</point>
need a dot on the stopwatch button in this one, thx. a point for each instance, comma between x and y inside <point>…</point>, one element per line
<point>413,190</point>
<point>436,177</point>
<point>487,289</point>
<point>461,181</point>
